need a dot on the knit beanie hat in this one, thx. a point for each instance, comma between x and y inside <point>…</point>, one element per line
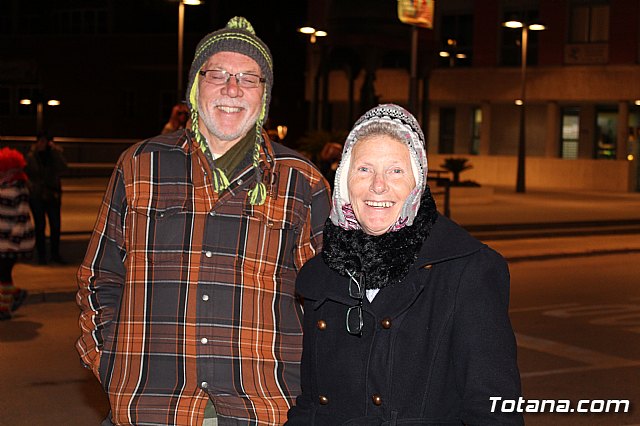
<point>411,134</point>
<point>238,36</point>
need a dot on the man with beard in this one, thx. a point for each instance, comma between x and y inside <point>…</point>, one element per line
<point>187,287</point>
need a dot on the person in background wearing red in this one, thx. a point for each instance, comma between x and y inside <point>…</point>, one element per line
<point>16,229</point>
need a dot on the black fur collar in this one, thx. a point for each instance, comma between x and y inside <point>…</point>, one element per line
<point>384,259</point>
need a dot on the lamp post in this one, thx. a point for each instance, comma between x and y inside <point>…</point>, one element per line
<point>181,5</point>
<point>313,33</point>
<point>522,146</point>
<point>314,66</point>
<point>40,110</point>
<point>451,52</point>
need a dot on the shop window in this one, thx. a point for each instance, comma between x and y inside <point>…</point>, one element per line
<point>606,134</point>
<point>447,130</point>
<point>589,22</point>
<point>570,133</point>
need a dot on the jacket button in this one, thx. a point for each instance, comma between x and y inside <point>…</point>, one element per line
<point>377,399</point>
<point>428,266</point>
<point>323,400</point>
<point>321,324</point>
<point>386,323</point>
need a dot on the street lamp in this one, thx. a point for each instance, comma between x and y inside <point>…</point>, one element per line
<point>181,5</point>
<point>312,32</point>
<point>314,73</point>
<point>524,27</point>
<point>40,109</point>
<point>451,52</point>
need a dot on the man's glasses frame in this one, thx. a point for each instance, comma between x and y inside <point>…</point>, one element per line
<point>354,320</point>
<point>221,77</point>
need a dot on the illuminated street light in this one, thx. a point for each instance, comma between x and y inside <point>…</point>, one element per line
<point>314,63</point>
<point>312,33</point>
<point>40,109</point>
<point>524,28</point>
<point>450,52</point>
<point>181,5</point>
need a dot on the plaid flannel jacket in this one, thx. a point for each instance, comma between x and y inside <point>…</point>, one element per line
<point>188,294</point>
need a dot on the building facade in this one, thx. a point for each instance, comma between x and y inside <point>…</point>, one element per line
<point>581,84</point>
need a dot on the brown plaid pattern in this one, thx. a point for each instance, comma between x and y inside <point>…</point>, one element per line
<point>188,294</point>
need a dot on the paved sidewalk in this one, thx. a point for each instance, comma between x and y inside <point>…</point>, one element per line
<point>546,224</point>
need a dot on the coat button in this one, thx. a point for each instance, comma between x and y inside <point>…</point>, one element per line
<point>428,266</point>
<point>323,400</point>
<point>377,399</point>
<point>386,323</point>
<point>321,324</point>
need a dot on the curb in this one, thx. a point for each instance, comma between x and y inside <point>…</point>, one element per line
<point>551,256</point>
<point>58,296</point>
<point>45,296</point>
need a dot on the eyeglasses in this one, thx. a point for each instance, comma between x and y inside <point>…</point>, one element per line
<point>354,314</point>
<point>220,77</point>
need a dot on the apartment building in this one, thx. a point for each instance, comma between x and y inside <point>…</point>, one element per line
<point>580,114</point>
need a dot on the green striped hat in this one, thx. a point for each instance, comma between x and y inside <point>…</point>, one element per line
<point>238,36</point>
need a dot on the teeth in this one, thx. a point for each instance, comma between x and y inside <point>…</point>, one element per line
<point>228,109</point>
<point>384,204</point>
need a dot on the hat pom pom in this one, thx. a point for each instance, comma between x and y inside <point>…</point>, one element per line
<point>238,22</point>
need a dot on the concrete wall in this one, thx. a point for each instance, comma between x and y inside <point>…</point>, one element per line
<point>548,173</point>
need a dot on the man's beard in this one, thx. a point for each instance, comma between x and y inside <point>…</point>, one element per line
<point>242,130</point>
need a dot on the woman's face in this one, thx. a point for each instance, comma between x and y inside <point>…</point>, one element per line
<point>379,181</point>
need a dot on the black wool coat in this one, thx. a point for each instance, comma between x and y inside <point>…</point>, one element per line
<point>433,349</point>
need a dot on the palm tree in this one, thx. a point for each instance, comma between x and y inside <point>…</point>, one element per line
<point>456,166</point>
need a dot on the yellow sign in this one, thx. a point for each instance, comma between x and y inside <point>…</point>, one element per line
<point>416,12</point>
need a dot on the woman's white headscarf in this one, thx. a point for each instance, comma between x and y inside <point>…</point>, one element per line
<point>409,130</point>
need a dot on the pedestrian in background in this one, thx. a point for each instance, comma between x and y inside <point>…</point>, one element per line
<point>16,229</point>
<point>406,315</point>
<point>179,118</point>
<point>45,166</point>
<point>187,287</point>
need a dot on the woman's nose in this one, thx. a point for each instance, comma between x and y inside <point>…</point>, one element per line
<point>379,183</point>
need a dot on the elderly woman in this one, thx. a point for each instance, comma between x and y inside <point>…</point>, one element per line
<point>406,315</point>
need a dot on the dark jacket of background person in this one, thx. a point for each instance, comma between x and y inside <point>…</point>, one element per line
<point>171,260</point>
<point>426,343</point>
<point>45,166</point>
